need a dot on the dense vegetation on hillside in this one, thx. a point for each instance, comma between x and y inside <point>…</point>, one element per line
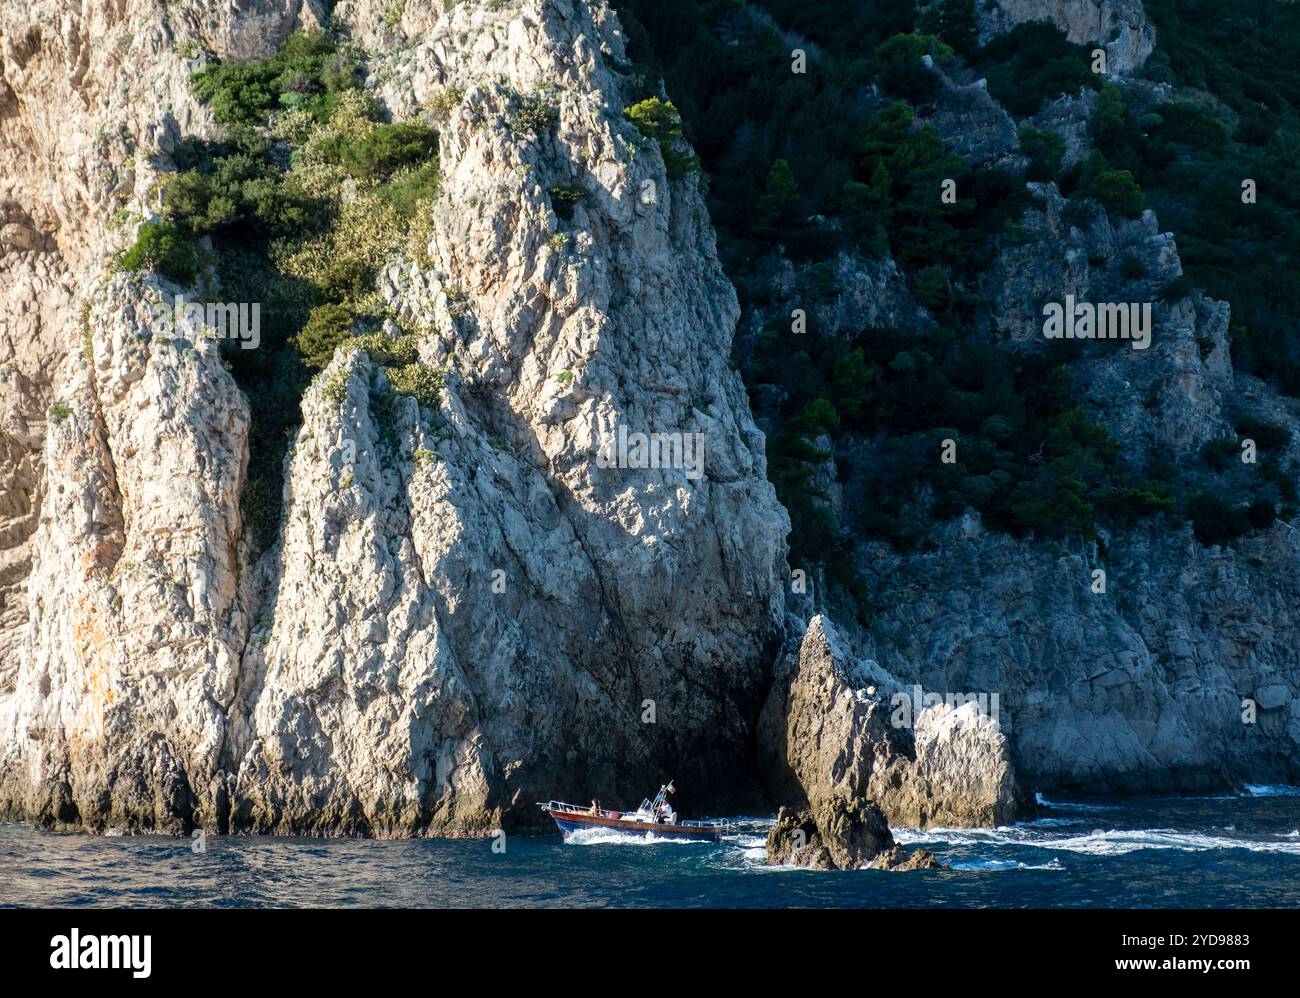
<point>298,131</point>
<point>803,167</point>
<point>1236,116</point>
<point>807,165</point>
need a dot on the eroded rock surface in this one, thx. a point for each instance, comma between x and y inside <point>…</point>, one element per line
<point>464,612</point>
<point>838,726</point>
<point>841,834</point>
<point>1120,26</point>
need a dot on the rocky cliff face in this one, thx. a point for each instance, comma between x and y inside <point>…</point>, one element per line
<point>463,612</point>
<point>1181,675</point>
<point>1120,26</point>
<point>1146,687</point>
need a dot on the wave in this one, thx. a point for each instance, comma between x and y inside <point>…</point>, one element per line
<point>1271,790</point>
<point>1098,842</point>
<point>1002,835</point>
<point>1068,805</point>
<point>993,865</point>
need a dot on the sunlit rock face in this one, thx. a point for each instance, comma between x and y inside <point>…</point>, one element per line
<point>465,611</point>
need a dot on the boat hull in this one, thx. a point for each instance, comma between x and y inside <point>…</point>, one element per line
<point>569,823</point>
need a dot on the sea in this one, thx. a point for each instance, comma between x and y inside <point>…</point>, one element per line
<point>1239,850</point>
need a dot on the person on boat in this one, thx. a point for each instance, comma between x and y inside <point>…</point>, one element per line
<point>595,806</point>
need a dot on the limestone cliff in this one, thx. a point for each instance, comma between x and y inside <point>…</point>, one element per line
<point>1176,669</point>
<point>1119,26</point>
<point>464,612</point>
<point>465,608</point>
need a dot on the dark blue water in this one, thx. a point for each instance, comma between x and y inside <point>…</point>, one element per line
<point>1241,851</point>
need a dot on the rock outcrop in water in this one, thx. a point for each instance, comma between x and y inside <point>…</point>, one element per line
<point>838,727</point>
<point>841,834</point>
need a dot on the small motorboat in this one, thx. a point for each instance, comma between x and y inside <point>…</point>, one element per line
<point>653,819</point>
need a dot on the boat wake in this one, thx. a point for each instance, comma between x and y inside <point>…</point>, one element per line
<point>600,837</point>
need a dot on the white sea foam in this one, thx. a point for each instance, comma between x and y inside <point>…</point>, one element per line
<point>600,837</point>
<point>1067,805</point>
<point>1271,790</point>
<point>1051,822</point>
<point>993,865</point>
<point>1097,842</point>
<point>1002,835</point>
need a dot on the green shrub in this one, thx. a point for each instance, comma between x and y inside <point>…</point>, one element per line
<point>347,278</point>
<point>444,101</point>
<point>411,186</point>
<point>235,185</point>
<point>659,120</point>
<point>777,209</point>
<point>1131,267</point>
<point>1116,189</point>
<point>955,22</point>
<point>1260,514</point>
<point>1180,287</point>
<point>1045,149</point>
<point>420,382</point>
<point>817,416</point>
<point>335,387</point>
<point>932,288</point>
<point>911,48</point>
<point>902,72</point>
<point>395,351</point>
<point>1032,63</point>
<point>377,153</point>
<point>1053,504</point>
<point>162,247</point>
<point>1267,436</point>
<point>327,326</point>
<point>1214,521</point>
<point>1186,125</point>
<point>306,72</point>
<point>535,112</point>
<point>1221,452</point>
